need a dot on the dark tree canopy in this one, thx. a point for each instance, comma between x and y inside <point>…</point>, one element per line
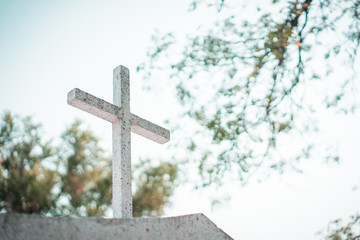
<point>253,82</point>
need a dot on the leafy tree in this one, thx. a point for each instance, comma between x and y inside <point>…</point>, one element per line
<point>154,186</point>
<point>87,179</point>
<point>337,230</point>
<point>252,82</point>
<point>25,183</point>
<point>74,178</point>
<point>85,174</point>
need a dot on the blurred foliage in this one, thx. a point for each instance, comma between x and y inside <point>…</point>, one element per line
<point>154,187</point>
<point>72,179</point>
<point>85,174</point>
<point>25,184</point>
<point>253,81</point>
<point>337,230</point>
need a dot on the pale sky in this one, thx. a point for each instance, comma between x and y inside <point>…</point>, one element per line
<point>48,48</point>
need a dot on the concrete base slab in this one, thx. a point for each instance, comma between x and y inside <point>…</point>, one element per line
<point>22,226</point>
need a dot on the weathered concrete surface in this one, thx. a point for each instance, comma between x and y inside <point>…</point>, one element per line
<point>123,123</point>
<point>35,227</point>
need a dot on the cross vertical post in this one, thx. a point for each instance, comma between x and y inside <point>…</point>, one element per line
<point>122,195</point>
<point>123,123</point>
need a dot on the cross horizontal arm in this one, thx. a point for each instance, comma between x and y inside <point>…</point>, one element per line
<point>149,130</point>
<point>91,104</point>
<point>109,112</point>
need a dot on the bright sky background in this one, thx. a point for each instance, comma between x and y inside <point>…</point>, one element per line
<point>48,48</point>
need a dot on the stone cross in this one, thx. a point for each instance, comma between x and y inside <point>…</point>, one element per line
<point>123,122</point>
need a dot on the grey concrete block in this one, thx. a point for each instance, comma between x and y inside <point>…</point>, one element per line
<point>35,227</point>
